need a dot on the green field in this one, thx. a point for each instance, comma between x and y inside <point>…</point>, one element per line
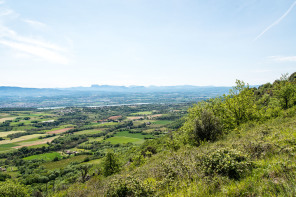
<point>39,146</point>
<point>141,113</point>
<point>96,161</point>
<point>124,140</point>
<point>162,122</point>
<point>107,124</point>
<point>63,163</point>
<point>126,137</point>
<point>92,139</point>
<point>92,131</point>
<point>7,147</point>
<point>132,135</point>
<point>45,156</point>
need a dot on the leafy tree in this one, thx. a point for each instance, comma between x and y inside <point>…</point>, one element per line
<point>207,127</point>
<point>4,176</point>
<point>84,170</point>
<point>111,164</point>
<point>11,189</point>
<point>292,77</point>
<point>285,92</point>
<point>239,104</point>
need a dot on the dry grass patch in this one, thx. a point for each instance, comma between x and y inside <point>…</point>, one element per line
<point>59,131</point>
<point>44,141</point>
<point>22,138</point>
<point>135,117</point>
<point>8,118</point>
<point>4,134</point>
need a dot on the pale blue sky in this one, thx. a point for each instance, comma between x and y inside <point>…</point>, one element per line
<point>64,43</point>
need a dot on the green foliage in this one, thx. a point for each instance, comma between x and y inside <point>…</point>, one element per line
<point>207,127</point>
<point>226,162</point>
<point>84,169</point>
<point>12,189</point>
<point>130,187</point>
<point>292,77</point>
<point>285,92</point>
<point>110,164</point>
<point>246,147</point>
<point>239,105</point>
<point>4,176</point>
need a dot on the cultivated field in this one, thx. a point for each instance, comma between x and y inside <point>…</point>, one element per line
<point>6,133</point>
<point>142,113</point>
<point>45,156</point>
<point>8,118</point>
<point>91,131</point>
<point>22,138</point>
<point>58,164</point>
<point>37,142</point>
<point>59,131</point>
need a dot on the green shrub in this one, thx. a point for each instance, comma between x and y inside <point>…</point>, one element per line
<point>11,189</point>
<point>4,176</point>
<point>207,127</point>
<point>226,162</point>
<point>130,187</point>
<point>56,159</point>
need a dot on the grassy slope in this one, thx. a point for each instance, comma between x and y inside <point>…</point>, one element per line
<point>132,135</point>
<point>123,140</point>
<point>141,113</point>
<point>126,137</point>
<point>58,164</point>
<point>91,131</point>
<point>45,156</point>
<point>270,146</point>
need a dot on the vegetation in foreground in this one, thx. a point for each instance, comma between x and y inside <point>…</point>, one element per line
<point>241,144</point>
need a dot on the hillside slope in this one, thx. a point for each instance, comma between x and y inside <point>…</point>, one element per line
<point>252,160</point>
<point>242,144</point>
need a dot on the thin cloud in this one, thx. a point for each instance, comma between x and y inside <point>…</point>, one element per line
<point>6,12</point>
<point>37,51</point>
<point>41,49</point>
<point>2,2</point>
<point>35,24</point>
<point>283,58</point>
<point>12,35</point>
<point>28,45</point>
<point>276,22</point>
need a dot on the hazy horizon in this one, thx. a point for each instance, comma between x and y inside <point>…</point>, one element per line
<point>128,86</point>
<point>58,44</point>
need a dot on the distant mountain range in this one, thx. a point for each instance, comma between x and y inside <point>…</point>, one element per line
<point>29,92</point>
<point>102,95</point>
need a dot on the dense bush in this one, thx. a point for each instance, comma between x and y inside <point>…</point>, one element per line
<point>130,187</point>
<point>207,127</point>
<point>226,162</point>
<point>11,189</point>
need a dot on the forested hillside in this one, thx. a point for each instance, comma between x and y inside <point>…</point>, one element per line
<point>239,144</point>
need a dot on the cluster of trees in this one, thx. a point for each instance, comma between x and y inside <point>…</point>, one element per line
<point>207,120</point>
